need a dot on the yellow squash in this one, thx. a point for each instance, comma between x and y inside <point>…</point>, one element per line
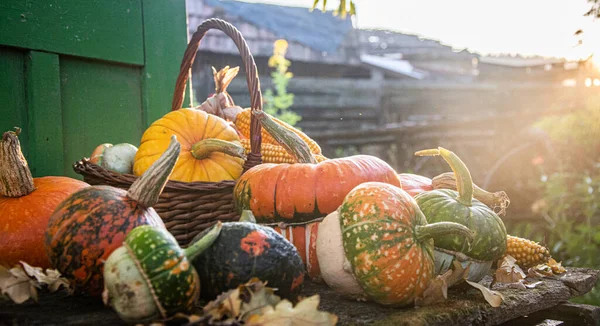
<point>210,147</point>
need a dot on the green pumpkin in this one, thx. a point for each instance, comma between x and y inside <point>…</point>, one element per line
<point>150,277</point>
<point>444,205</point>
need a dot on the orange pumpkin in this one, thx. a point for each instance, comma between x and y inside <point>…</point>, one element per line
<point>26,205</point>
<point>210,147</point>
<point>301,192</point>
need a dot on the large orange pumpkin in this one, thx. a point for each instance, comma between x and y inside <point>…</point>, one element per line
<point>210,147</point>
<point>26,205</point>
<point>303,192</point>
<point>306,191</point>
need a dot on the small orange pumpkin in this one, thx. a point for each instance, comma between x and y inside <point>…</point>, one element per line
<point>26,204</point>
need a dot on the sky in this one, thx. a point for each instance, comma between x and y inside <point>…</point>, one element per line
<point>526,27</point>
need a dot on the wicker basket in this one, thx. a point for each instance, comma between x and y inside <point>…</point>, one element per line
<point>188,208</point>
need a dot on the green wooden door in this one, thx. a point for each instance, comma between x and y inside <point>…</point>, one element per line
<point>75,74</point>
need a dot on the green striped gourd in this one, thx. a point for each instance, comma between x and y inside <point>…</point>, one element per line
<point>150,277</point>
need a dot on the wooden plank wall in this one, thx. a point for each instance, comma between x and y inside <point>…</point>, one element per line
<point>76,74</point>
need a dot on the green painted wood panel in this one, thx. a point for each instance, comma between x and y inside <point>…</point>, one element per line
<point>101,103</point>
<point>13,107</point>
<point>44,114</point>
<point>108,29</point>
<point>165,43</point>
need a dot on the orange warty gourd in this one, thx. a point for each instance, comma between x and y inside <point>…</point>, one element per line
<point>210,147</point>
<point>26,205</point>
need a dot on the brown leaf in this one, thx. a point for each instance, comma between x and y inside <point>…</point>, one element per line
<point>284,314</point>
<point>459,273</point>
<point>260,297</point>
<point>508,271</point>
<point>436,292</point>
<point>494,298</point>
<point>51,278</point>
<point>245,299</point>
<point>227,305</point>
<point>540,271</point>
<point>15,284</point>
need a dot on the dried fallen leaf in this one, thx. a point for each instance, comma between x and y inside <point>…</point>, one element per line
<point>17,285</point>
<point>436,292</point>
<point>256,298</point>
<point>459,273</point>
<point>225,306</point>
<point>540,271</point>
<point>244,300</point>
<point>494,298</point>
<point>284,314</point>
<point>508,271</point>
<point>51,278</point>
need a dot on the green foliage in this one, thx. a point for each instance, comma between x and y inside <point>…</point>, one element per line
<point>345,7</point>
<point>278,100</point>
<point>570,188</point>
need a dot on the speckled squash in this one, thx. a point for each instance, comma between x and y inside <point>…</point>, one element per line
<point>445,205</point>
<point>150,277</point>
<point>304,238</point>
<point>388,242</point>
<point>93,222</point>
<point>244,250</point>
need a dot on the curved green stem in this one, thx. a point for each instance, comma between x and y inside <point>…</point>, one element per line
<point>292,143</point>
<point>147,189</point>
<point>247,216</point>
<point>205,147</point>
<point>464,184</point>
<point>498,200</point>
<point>204,242</point>
<point>436,230</point>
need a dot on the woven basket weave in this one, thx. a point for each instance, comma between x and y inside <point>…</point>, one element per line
<point>187,208</point>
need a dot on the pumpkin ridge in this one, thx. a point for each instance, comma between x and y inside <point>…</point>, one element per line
<point>141,270</point>
<point>179,135</point>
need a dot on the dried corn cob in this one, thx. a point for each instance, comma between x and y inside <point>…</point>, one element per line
<point>527,253</point>
<point>242,123</point>
<point>276,153</point>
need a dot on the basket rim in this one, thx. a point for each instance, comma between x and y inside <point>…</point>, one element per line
<point>86,167</point>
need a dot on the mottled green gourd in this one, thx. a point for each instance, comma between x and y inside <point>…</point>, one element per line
<point>445,205</point>
<point>150,277</point>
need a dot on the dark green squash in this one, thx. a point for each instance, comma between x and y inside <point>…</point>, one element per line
<point>445,205</point>
<point>244,250</point>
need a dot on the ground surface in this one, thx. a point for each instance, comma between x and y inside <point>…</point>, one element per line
<point>465,306</point>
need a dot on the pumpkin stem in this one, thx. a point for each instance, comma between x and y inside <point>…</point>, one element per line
<point>247,216</point>
<point>204,242</point>
<point>205,147</point>
<point>15,177</point>
<point>291,142</point>
<point>147,188</point>
<point>436,230</point>
<point>497,200</point>
<point>464,186</point>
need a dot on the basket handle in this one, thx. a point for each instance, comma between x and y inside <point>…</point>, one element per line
<point>256,102</point>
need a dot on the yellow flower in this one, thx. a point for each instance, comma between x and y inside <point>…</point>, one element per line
<point>280,46</point>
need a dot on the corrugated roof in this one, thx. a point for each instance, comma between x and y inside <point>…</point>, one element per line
<point>320,31</point>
